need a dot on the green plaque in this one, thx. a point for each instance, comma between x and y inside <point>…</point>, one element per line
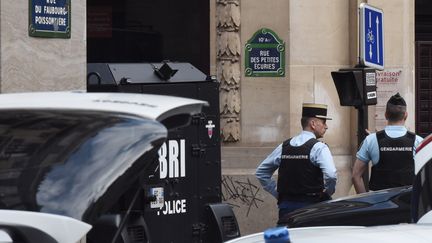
<point>265,55</point>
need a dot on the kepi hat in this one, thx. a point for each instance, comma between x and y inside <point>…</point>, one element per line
<point>315,110</point>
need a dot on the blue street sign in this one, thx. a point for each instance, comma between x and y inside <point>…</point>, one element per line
<point>371,36</point>
<point>50,18</point>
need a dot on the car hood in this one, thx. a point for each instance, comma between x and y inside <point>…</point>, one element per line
<point>340,234</point>
<point>342,211</point>
<point>33,227</point>
<point>154,107</point>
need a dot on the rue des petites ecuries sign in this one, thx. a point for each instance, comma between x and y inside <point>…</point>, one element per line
<point>50,18</point>
<point>265,55</point>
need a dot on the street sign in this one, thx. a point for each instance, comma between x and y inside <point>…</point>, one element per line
<point>265,55</point>
<point>371,36</point>
<point>50,18</point>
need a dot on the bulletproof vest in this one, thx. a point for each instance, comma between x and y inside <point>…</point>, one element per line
<point>396,163</point>
<point>298,178</point>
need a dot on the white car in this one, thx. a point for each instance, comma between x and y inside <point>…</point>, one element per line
<point>419,232</point>
<point>68,156</point>
<point>33,227</point>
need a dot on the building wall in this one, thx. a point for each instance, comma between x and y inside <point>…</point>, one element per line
<point>34,64</point>
<point>320,37</point>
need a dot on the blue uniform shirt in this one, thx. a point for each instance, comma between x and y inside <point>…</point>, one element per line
<point>369,150</point>
<point>320,156</point>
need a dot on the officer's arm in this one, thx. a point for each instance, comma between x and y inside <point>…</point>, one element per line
<point>368,152</point>
<point>324,160</point>
<point>357,175</point>
<point>265,171</point>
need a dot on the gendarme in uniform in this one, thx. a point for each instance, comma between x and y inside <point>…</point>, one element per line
<point>306,170</point>
<point>395,166</point>
<point>391,151</point>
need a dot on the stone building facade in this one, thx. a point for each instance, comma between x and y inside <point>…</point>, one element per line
<point>260,112</point>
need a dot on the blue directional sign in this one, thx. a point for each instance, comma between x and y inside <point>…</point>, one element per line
<point>371,36</point>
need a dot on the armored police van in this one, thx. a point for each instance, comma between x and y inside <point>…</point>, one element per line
<point>127,157</point>
<point>180,197</point>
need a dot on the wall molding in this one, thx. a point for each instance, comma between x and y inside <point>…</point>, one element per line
<point>229,68</point>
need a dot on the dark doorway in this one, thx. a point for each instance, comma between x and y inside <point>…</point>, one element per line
<point>423,62</point>
<point>149,31</point>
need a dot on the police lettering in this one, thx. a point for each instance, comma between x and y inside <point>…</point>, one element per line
<point>175,207</point>
<point>172,159</point>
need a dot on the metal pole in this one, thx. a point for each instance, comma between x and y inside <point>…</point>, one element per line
<point>362,125</point>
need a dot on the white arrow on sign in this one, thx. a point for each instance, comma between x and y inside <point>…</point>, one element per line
<point>378,50</point>
<point>370,20</point>
<point>370,25</point>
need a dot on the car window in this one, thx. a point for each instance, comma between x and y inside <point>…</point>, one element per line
<point>63,161</point>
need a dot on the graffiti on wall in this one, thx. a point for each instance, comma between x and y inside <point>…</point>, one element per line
<point>240,193</point>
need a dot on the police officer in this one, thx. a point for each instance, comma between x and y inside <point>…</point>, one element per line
<point>307,173</point>
<point>390,150</point>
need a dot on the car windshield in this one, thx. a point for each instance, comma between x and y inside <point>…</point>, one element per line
<point>63,162</point>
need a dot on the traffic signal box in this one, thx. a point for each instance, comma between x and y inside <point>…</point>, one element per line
<point>181,199</point>
<point>356,86</point>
